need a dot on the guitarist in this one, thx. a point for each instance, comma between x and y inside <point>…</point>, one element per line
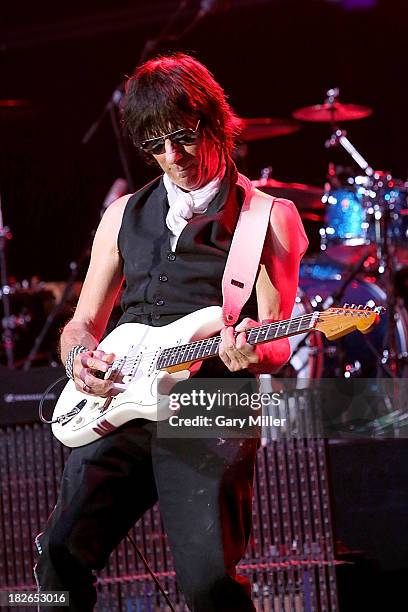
<point>170,241</point>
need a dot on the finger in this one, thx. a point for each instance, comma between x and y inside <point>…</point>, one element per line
<point>246,323</point>
<point>246,349</point>
<point>94,362</point>
<point>228,337</point>
<point>105,391</point>
<point>237,360</point>
<point>96,386</point>
<point>241,342</point>
<point>225,341</point>
<point>108,357</point>
<point>236,357</point>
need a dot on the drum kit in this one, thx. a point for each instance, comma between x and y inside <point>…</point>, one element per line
<point>362,252</point>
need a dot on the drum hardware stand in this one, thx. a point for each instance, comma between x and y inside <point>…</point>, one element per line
<point>384,254</point>
<point>7,321</point>
<point>387,268</point>
<point>340,136</point>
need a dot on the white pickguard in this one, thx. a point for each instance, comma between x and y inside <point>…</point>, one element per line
<point>142,392</point>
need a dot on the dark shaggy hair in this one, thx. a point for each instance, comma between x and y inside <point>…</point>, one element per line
<point>174,91</point>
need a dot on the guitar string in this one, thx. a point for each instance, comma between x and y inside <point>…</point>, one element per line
<point>307,317</point>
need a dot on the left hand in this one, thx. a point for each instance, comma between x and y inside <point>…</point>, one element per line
<point>235,351</point>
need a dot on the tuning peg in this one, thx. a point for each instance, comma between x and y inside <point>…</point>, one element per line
<point>379,309</point>
<point>360,307</point>
<point>346,305</point>
<point>368,306</point>
<point>353,306</point>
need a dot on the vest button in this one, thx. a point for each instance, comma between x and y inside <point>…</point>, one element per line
<point>159,302</point>
<point>171,256</point>
<point>155,316</point>
<point>163,278</point>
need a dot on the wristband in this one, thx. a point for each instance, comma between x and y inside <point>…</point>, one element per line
<point>69,363</point>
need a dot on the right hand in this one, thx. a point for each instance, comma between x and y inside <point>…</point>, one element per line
<point>86,365</point>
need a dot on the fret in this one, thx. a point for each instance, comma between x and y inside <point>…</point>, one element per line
<point>196,351</point>
<point>179,354</point>
<point>290,326</point>
<point>282,329</point>
<point>190,351</point>
<point>185,353</point>
<point>210,346</point>
<point>215,345</point>
<point>276,330</point>
<point>269,331</point>
<point>204,349</point>
<point>173,357</point>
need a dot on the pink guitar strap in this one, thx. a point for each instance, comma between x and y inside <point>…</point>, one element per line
<point>245,252</point>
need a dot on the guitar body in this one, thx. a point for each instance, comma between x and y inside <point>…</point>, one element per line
<point>141,388</point>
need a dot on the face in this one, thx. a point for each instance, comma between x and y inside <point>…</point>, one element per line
<point>190,166</point>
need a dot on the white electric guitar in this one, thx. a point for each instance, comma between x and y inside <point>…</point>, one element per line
<point>151,360</point>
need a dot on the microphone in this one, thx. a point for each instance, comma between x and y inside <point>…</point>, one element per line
<point>118,189</point>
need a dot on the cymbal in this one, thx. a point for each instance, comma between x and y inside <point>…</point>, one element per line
<point>332,113</point>
<point>306,197</point>
<point>261,128</point>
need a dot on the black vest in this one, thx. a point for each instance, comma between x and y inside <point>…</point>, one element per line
<point>162,286</point>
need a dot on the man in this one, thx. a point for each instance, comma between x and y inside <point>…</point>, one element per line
<point>170,241</point>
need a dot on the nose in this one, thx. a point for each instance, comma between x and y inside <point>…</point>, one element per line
<point>172,151</point>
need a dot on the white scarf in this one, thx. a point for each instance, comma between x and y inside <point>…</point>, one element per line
<point>184,204</point>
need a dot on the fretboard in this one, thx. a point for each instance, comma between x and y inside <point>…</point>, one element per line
<point>203,349</point>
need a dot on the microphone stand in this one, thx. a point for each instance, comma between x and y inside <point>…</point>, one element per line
<point>112,107</point>
<point>7,336</point>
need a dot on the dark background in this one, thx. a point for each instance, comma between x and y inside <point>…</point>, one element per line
<point>271,57</point>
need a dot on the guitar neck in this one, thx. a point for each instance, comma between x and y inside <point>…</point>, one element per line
<point>204,349</point>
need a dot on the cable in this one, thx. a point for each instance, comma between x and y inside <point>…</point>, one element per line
<point>44,397</point>
<point>142,557</point>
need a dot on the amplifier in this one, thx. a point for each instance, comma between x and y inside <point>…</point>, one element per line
<point>20,393</point>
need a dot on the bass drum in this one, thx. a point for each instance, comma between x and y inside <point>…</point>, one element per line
<point>357,354</point>
<point>307,349</point>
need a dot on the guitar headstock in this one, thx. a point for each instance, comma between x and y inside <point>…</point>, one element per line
<point>337,322</point>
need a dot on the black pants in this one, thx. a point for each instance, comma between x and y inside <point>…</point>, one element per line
<point>204,487</point>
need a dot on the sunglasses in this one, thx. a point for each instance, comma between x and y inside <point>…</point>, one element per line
<point>184,136</point>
